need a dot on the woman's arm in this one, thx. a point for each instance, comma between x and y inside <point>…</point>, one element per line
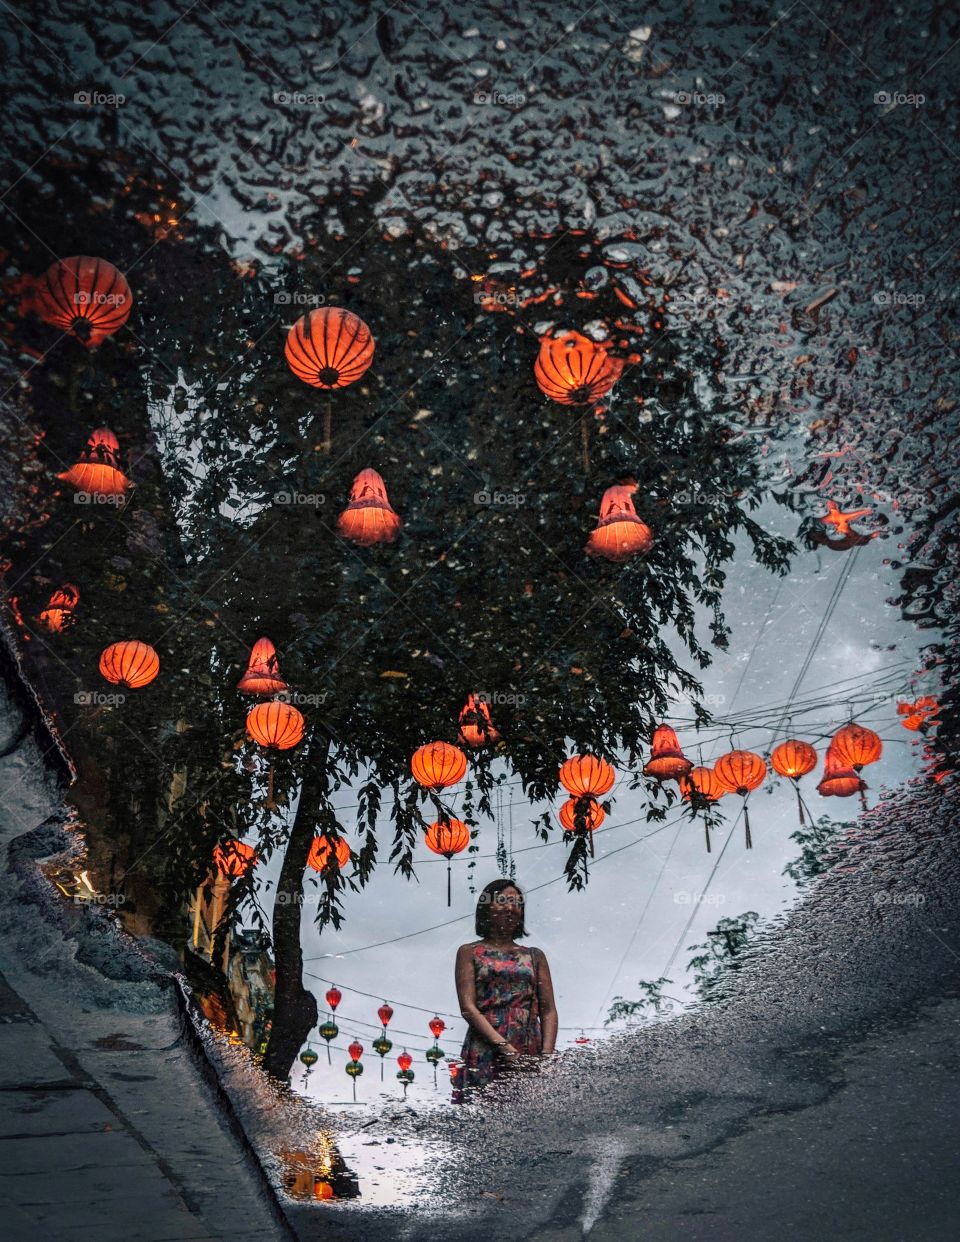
<point>548,1007</point>
<point>467,996</point>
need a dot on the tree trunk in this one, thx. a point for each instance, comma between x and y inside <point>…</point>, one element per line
<point>295,1010</point>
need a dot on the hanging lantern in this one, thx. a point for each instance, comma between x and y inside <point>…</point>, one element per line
<point>741,771</point>
<point>454,1068</point>
<point>476,726</point>
<point>448,837</point>
<point>234,858</point>
<point>404,1060</point>
<point>263,670</point>
<point>329,348</point>
<point>589,811</point>
<point>328,1031</point>
<point>355,1050</point>
<point>574,370</point>
<point>334,997</point>
<point>582,1039</point>
<point>276,726</point>
<point>581,775</point>
<point>667,760</point>
<point>320,852</point>
<point>132,664</point>
<point>354,1069</point>
<point>708,786</point>
<point>98,472</point>
<point>309,1058</point>
<point>840,780</point>
<point>58,614</point>
<point>620,533</point>
<point>369,517</point>
<point>89,298</point>
<point>437,1026</point>
<point>381,1046</point>
<point>433,1055</point>
<point>857,745</point>
<point>794,759</point>
<point>924,711</point>
<point>322,1190</point>
<point>438,765</point>
<point>385,1013</point>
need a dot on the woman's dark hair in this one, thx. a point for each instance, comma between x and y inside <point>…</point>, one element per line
<point>485,901</point>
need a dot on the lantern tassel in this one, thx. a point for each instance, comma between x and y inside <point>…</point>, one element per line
<point>706,833</point>
<point>448,883</point>
<point>585,442</point>
<point>328,427</point>
<point>329,1060</point>
<point>746,824</point>
<point>799,804</point>
<point>354,1081</point>
<point>863,797</point>
<point>381,1069</point>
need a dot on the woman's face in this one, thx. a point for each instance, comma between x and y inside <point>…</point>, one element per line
<point>505,911</point>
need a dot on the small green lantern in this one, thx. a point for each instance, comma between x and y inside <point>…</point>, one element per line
<point>434,1054</point>
<point>382,1045</point>
<point>405,1076</point>
<point>354,1069</point>
<point>329,1031</point>
<point>309,1058</point>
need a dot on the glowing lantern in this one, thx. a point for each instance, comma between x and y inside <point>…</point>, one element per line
<point>89,298</point>
<point>437,1027</point>
<point>354,1069</point>
<point>839,778</point>
<point>857,745</point>
<point>385,1013</point>
<point>329,348</point>
<point>705,782</point>
<point>839,520</point>
<point>234,858</point>
<point>98,472</point>
<point>355,1050</point>
<point>322,1190</point>
<point>404,1060</point>
<point>794,759</point>
<point>667,760</point>
<point>740,771</point>
<point>328,1031</point>
<point>309,1058</point>
<point>437,765</point>
<point>263,670</point>
<point>369,517</point>
<point>131,664</point>
<point>276,726</point>
<point>58,614</point>
<point>574,370</point>
<point>619,533</point>
<point>588,810</point>
<point>581,775</point>
<point>448,837</point>
<point>476,726</point>
<point>320,851</point>
<point>334,997</point>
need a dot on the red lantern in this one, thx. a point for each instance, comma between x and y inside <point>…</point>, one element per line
<point>924,711</point>
<point>132,664</point>
<point>437,1027</point>
<point>667,760</point>
<point>234,858</point>
<point>334,996</point>
<point>589,811</point>
<point>794,759</point>
<point>98,472</point>
<point>263,670</point>
<point>857,745</point>
<point>619,533</point>
<point>369,517</point>
<point>404,1060</point>
<point>89,298</point>
<point>476,726</point>
<point>574,370</point>
<point>705,782</point>
<point>586,774</point>
<point>741,771</point>
<point>355,1050</point>
<point>329,348</point>
<point>448,837</point>
<point>437,765</point>
<point>58,614</point>
<point>385,1013</point>
<point>277,726</point>
<point>320,852</point>
<point>839,778</point>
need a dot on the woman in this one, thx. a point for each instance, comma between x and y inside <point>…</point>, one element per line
<point>505,994</point>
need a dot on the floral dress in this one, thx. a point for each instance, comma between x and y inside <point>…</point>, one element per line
<point>506,988</point>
